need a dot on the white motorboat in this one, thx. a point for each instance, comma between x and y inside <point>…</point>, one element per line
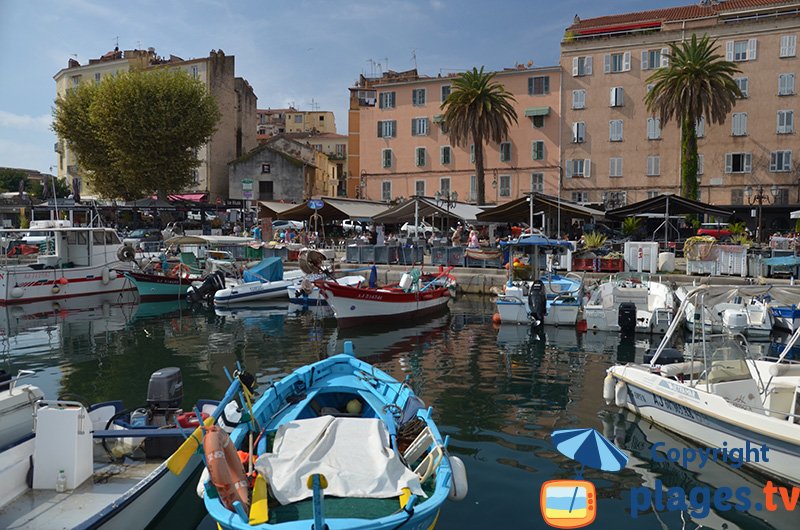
<point>305,293</point>
<point>630,302</point>
<point>742,309</point>
<point>265,281</point>
<point>67,262</point>
<point>101,467</point>
<point>719,396</point>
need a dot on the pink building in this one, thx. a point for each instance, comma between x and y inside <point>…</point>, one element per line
<point>403,149</point>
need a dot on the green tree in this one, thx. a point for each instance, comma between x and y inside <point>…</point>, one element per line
<point>9,179</point>
<point>136,133</point>
<point>478,110</point>
<point>697,83</point>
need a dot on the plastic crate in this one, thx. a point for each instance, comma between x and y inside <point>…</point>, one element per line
<point>732,260</point>
<point>439,255</point>
<point>366,254</point>
<point>610,264</point>
<point>410,255</point>
<point>352,254</point>
<point>455,256</point>
<point>701,267</point>
<point>583,264</point>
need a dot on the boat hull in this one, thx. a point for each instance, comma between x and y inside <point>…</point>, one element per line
<point>786,317</point>
<point>154,287</point>
<point>19,285</point>
<point>252,292</point>
<point>515,311</point>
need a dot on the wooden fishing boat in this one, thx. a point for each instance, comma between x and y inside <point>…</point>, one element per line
<point>101,466</point>
<point>156,286</point>
<point>337,443</point>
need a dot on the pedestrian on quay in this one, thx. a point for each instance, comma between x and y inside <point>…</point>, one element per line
<point>473,238</point>
<point>456,239</point>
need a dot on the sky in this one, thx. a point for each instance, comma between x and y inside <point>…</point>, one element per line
<point>304,53</point>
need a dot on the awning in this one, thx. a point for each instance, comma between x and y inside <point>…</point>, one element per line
<point>336,208</point>
<point>427,207</point>
<point>193,197</point>
<point>273,208</point>
<point>668,203</point>
<point>795,215</point>
<point>536,111</point>
<point>439,118</point>
<point>519,209</point>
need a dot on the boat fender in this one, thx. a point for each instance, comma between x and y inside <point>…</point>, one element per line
<point>105,276</point>
<point>17,292</point>
<point>225,468</point>
<point>201,484</point>
<point>608,389</point>
<point>458,484</point>
<point>621,394</point>
<point>126,253</point>
<point>56,289</point>
<point>231,416</point>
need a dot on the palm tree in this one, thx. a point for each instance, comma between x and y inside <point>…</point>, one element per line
<point>478,109</point>
<point>698,83</point>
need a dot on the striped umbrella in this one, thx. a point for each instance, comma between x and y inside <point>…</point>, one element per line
<point>590,448</point>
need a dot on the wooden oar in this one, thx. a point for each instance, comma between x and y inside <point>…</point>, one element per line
<point>178,460</point>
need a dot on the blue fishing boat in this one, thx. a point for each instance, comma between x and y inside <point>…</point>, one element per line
<point>338,444</point>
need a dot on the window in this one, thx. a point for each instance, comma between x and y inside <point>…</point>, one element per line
<point>581,66</point>
<point>445,92</point>
<point>298,118</point>
<point>614,199</point>
<point>419,188</point>
<point>418,97</point>
<point>578,132</point>
<point>341,150</point>
<point>737,197</point>
<point>617,96</point>
<point>782,197</point>
<point>701,162</point>
<point>653,166</point>
<point>617,62</point>
<point>538,85</point>
<point>505,152</point>
<point>537,182</point>
<point>786,84</point>
<point>579,168</point>
<point>444,186</point>
<point>386,190</point>
<point>386,100</point>
<point>738,163</point>
<point>445,155</point>
<point>580,196</point>
<point>741,50</point>
<point>504,187</point>
<point>322,118</point>
<point>195,72</point>
<point>578,99</point>
<point>97,78</point>
<point>653,129</point>
<point>739,124</point>
<point>266,168</point>
<point>652,59</point>
<point>651,194</point>
<point>537,150</point>
<point>386,157</point>
<point>700,127</point>
<point>744,86</point>
<point>615,130</point>
<point>538,122</point>
<point>420,156</point>
<point>788,45</point>
<point>615,166</point>
<point>387,129</point>
<point>780,161</point>
<point>473,188</point>
<point>419,126</point>
<point>785,121</point>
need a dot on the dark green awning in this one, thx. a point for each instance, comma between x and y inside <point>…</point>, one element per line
<point>439,118</point>
<point>537,111</point>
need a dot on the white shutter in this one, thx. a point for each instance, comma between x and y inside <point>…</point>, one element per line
<point>587,65</point>
<point>752,44</point>
<point>613,97</point>
<point>574,66</point>
<point>626,61</point>
<point>587,168</point>
<point>569,169</point>
<point>644,60</point>
<point>791,48</point>
<point>784,46</point>
<point>728,162</point>
<point>729,50</point>
<point>700,164</point>
<point>607,63</point>
<point>789,121</point>
<point>664,57</point>
<point>575,129</point>
<point>748,163</point>
<point>779,126</point>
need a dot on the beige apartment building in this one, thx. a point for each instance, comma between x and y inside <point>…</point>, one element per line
<point>398,146</point>
<point>614,152</point>
<point>236,130</point>
<point>334,146</point>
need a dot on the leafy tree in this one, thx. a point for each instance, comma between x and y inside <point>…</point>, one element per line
<point>478,109</point>
<point>697,83</point>
<point>136,133</point>
<point>9,179</point>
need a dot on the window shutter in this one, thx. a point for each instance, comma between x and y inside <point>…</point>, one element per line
<point>773,161</point>
<point>729,50</point>
<point>547,85</point>
<point>530,86</point>
<point>575,132</point>
<point>644,60</point>
<point>700,164</point>
<point>791,50</point>
<point>574,66</point>
<point>569,169</point>
<point>664,57</point>
<point>380,129</point>
<point>752,44</point>
<point>784,46</point>
<point>587,168</point>
<point>588,65</point>
<point>626,61</point>
<point>413,97</point>
<point>779,126</point>
<point>607,63</point>
<point>747,163</point>
<point>790,83</point>
<point>728,163</point>
<point>613,98</point>
<point>789,121</point>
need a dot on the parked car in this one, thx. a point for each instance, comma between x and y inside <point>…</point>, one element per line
<point>423,229</point>
<point>720,231</point>
<point>196,215</point>
<point>349,224</point>
<point>141,236</point>
<point>283,224</point>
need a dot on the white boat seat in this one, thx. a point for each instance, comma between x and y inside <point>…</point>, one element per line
<point>728,370</point>
<point>685,368</point>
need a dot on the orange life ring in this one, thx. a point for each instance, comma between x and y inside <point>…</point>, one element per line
<point>225,468</point>
<point>180,269</point>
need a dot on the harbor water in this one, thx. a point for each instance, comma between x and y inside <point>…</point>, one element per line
<point>497,391</point>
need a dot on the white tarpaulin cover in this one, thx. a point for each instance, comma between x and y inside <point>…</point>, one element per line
<point>352,453</point>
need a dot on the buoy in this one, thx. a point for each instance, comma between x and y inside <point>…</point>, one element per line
<point>496,318</point>
<point>458,484</point>
<point>17,292</point>
<point>354,406</point>
<point>105,276</point>
<point>201,484</point>
<point>581,326</point>
<point>55,290</point>
<point>620,394</point>
<point>62,281</point>
<point>608,389</point>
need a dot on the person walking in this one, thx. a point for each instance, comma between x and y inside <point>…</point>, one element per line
<point>473,238</point>
<point>456,238</point>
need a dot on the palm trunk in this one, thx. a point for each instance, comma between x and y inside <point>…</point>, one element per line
<point>689,185</point>
<point>477,137</point>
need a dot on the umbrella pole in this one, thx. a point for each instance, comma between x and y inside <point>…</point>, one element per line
<point>666,225</point>
<point>579,473</point>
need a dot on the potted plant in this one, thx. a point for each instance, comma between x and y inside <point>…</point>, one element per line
<point>585,256</point>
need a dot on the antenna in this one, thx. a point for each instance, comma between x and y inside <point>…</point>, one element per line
<point>116,40</point>
<point>314,105</point>
<point>414,58</point>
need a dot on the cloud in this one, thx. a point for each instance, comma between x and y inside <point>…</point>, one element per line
<point>26,155</point>
<point>22,121</point>
<point>437,5</point>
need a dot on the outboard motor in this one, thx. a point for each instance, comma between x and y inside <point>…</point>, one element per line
<point>164,397</point>
<point>211,284</point>
<point>537,303</point>
<point>626,319</point>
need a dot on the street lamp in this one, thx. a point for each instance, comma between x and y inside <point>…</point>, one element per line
<point>760,197</point>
